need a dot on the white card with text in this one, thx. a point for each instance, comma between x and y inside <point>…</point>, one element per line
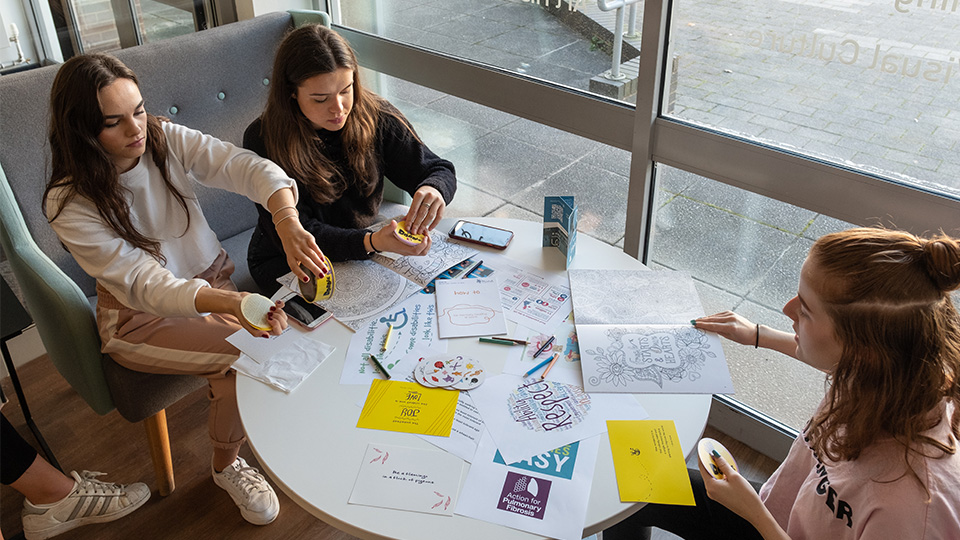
<point>410,479</point>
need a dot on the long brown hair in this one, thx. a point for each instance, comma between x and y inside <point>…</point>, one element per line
<point>888,295</point>
<point>290,139</point>
<point>79,161</point>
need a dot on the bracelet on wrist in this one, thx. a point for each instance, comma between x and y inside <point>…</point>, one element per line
<point>756,344</point>
<point>373,247</point>
<point>292,213</point>
<point>281,209</point>
<point>284,218</point>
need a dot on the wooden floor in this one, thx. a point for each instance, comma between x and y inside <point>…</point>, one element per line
<point>198,509</point>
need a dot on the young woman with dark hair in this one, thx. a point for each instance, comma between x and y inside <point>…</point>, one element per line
<point>339,141</point>
<point>879,457</point>
<point>121,198</point>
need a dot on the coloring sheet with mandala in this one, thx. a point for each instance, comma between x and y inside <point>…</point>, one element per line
<point>652,359</point>
<point>421,270</point>
<point>633,297</point>
<point>528,416</point>
<point>363,290</point>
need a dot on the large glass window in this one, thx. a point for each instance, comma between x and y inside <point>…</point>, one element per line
<point>566,42</point>
<point>506,165</point>
<point>744,252</point>
<point>870,85</point>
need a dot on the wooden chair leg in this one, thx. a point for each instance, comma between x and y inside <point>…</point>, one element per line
<point>156,427</point>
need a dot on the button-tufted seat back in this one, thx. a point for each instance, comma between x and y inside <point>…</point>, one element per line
<point>215,81</point>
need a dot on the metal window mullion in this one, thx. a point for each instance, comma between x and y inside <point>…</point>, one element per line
<point>638,232</point>
<point>845,194</point>
<point>128,27</point>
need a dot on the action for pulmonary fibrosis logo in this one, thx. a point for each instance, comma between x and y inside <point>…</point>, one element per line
<point>524,495</point>
<point>548,406</point>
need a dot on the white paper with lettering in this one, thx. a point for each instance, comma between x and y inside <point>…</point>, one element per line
<point>527,417</point>
<point>469,307</point>
<point>653,359</point>
<point>410,479</point>
<point>414,332</point>
<point>545,494</point>
<point>533,298</point>
<point>465,433</point>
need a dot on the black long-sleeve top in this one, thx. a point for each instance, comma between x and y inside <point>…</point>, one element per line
<point>340,226</point>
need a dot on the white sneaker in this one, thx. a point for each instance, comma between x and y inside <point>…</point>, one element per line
<point>91,501</point>
<point>250,491</point>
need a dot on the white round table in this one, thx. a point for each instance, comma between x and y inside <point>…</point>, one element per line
<point>308,443</point>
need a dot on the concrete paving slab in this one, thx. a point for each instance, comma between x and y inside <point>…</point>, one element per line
<point>751,206</point>
<point>478,115</point>
<point>602,206</point>
<point>471,202</point>
<point>554,141</point>
<point>716,247</point>
<point>503,166</point>
<point>515,212</point>
<point>780,282</point>
<point>609,158</point>
<point>441,132</point>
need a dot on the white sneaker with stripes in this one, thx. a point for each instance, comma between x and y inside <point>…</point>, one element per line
<point>250,491</point>
<point>91,501</point>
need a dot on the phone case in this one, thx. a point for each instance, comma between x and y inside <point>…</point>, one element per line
<point>453,234</point>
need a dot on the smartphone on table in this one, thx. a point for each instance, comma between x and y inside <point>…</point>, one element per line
<point>485,235</point>
<point>305,313</point>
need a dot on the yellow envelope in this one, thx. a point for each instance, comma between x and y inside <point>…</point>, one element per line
<point>409,407</point>
<point>649,462</point>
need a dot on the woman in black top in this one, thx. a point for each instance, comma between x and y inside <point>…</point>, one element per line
<point>338,141</point>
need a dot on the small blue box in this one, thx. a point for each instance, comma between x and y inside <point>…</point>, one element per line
<point>560,225</point>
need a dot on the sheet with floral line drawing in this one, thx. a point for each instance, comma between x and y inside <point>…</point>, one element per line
<point>634,333</point>
<point>652,359</point>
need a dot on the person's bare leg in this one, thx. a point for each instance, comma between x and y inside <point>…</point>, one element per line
<point>42,483</point>
<point>224,457</point>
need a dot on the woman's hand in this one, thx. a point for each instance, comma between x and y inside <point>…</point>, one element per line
<point>301,248</point>
<point>386,239</point>
<point>277,318</point>
<point>736,328</point>
<point>425,212</point>
<point>736,493</point>
<point>731,326</point>
<point>213,300</point>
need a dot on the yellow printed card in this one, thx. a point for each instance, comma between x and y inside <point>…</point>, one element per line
<point>408,407</point>
<point>649,462</point>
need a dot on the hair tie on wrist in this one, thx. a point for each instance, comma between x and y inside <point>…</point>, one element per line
<point>756,345</point>
<point>284,218</point>
<point>373,247</point>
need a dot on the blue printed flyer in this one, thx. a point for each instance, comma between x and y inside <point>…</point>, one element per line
<point>560,225</point>
<point>545,494</point>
